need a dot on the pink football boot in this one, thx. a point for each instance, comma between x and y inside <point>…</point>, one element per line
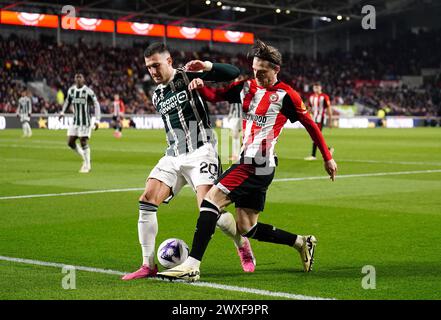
<point>143,272</point>
<point>246,256</point>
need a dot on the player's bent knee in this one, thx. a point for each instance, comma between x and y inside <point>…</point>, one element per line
<point>148,197</point>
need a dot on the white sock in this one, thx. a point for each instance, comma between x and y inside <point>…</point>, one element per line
<point>25,133</point>
<point>28,130</point>
<point>192,263</point>
<point>299,242</point>
<point>86,151</point>
<point>79,151</point>
<point>228,226</point>
<point>147,231</point>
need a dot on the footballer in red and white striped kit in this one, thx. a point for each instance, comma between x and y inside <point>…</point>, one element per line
<point>118,115</point>
<point>267,104</point>
<point>319,104</point>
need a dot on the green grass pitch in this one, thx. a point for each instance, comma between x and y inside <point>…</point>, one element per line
<point>389,221</point>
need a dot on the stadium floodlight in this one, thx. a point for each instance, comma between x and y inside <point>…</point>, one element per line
<point>288,11</point>
<point>207,2</point>
<point>239,9</point>
<point>326,19</point>
<point>348,18</point>
<point>339,17</point>
<point>278,10</point>
<point>219,3</point>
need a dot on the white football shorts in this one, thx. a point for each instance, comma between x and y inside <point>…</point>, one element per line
<point>200,167</point>
<point>79,131</point>
<point>25,118</point>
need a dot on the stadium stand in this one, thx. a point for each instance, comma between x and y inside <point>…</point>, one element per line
<point>346,76</point>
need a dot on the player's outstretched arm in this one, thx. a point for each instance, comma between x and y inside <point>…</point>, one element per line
<point>316,135</point>
<point>231,93</point>
<point>209,94</point>
<point>198,65</point>
<point>217,72</point>
<point>294,109</point>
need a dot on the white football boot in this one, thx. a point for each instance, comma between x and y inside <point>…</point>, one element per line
<point>181,272</point>
<point>307,252</point>
<point>84,169</point>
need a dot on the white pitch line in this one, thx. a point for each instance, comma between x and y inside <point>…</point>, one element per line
<point>70,193</point>
<point>65,147</point>
<point>415,163</point>
<point>196,284</point>
<point>375,174</point>
<point>422,163</point>
<point>345,176</point>
<point>60,265</point>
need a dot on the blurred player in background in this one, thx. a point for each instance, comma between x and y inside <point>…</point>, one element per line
<point>267,104</point>
<point>235,120</point>
<point>118,115</point>
<point>191,157</point>
<point>24,111</point>
<point>82,98</point>
<point>319,104</point>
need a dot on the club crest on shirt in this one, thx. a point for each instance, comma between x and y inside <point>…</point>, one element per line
<point>274,97</point>
<point>180,84</point>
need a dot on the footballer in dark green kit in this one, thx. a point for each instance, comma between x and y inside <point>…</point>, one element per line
<point>191,156</point>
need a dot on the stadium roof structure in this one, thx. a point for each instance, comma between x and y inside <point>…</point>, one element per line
<point>268,18</point>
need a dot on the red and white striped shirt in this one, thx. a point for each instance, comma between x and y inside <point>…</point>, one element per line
<point>319,103</point>
<point>118,107</point>
<point>265,112</point>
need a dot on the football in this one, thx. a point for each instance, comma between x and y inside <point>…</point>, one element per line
<point>172,252</point>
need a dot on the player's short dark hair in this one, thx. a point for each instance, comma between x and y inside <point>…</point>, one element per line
<point>317,83</point>
<point>265,52</point>
<point>156,47</point>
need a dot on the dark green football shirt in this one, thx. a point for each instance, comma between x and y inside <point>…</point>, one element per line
<point>185,114</point>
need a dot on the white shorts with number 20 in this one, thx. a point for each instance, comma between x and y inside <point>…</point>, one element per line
<point>200,167</point>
